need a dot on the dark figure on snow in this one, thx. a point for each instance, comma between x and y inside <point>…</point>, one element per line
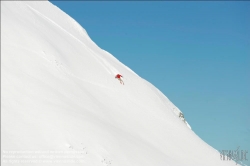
<point>119,77</point>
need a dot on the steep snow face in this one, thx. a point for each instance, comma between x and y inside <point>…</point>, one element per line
<point>59,93</point>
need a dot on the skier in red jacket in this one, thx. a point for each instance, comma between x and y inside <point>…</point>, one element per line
<point>119,77</point>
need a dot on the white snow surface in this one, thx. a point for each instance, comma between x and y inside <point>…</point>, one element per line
<point>59,93</point>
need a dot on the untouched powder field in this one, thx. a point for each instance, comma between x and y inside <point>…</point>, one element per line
<point>61,104</point>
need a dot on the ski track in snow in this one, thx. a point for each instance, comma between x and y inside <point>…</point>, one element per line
<point>60,67</point>
<point>103,62</point>
<point>54,100</point>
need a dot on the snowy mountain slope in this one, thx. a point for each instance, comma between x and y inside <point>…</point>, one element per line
<point>59,94</point>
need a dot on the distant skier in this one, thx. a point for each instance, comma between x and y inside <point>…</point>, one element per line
<point>119,77</point>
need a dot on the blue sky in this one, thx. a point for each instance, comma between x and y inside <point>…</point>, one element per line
<point>196,53</point>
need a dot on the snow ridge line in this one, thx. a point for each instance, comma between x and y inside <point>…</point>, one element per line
<point>94,55</point>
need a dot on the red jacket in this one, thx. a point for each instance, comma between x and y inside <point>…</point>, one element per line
<point>118,76</point>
